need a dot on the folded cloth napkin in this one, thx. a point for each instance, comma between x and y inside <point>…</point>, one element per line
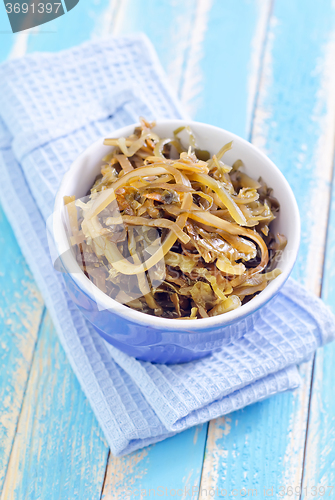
<point>52,107</point>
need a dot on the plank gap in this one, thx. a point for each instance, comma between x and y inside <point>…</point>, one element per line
<point>306,432</point>
<point>105,476</point>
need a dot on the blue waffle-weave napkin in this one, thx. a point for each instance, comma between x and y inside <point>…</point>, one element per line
<point>52,106</point>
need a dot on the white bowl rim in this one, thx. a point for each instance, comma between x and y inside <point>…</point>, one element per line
<point>148,320</point>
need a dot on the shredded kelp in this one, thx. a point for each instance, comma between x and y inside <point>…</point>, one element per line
<point>170,231</point>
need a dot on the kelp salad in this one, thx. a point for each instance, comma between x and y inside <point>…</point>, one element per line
<point>170,231</point>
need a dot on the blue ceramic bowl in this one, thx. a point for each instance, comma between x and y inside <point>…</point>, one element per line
<point>163,340</point>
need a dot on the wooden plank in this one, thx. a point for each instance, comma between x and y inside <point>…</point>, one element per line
<point>8,39</point>
<point>170,468</point>
<point>59,450</point>
<point>319,467</point>
<point>85,21</point>
<point>21,309</point>
<point>262,446</point>
<point>168,24</point>
<point>221,78</point>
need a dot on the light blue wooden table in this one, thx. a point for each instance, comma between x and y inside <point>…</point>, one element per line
<point>264,69</point>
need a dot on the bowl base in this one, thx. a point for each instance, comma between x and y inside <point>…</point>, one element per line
<point>167,354</point>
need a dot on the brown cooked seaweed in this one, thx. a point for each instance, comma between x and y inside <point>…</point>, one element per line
<point>172,232</point>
